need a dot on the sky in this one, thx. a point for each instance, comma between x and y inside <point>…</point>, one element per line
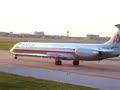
<point>55,17</point>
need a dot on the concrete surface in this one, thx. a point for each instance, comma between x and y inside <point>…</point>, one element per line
<point>104,74</point>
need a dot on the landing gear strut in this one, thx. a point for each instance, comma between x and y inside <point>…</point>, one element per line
<point>76,62</point>
<point>58,62</point>
<point>15,56</point>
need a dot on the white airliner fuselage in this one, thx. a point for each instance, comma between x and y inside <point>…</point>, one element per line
<point>69,51</point>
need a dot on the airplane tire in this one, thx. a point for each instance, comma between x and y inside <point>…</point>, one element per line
<point>15,57</point>
<point>75,63</point>
<point>58,62</point>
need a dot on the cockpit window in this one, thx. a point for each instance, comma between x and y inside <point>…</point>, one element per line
<point>16,45</point>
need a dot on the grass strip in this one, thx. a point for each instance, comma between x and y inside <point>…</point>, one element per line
<point>16,82</point>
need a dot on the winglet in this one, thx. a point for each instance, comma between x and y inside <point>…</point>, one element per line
<point>118,26</point>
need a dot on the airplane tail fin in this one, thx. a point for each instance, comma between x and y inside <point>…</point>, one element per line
<point>115,40</point>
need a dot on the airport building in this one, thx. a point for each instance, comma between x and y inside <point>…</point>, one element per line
<point>91,36</point>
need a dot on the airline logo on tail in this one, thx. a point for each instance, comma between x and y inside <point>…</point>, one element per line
<point>116,39</point>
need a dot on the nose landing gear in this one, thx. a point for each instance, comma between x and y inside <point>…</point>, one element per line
<point>15,56</point>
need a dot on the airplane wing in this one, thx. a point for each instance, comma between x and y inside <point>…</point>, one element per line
<point>49,55</point>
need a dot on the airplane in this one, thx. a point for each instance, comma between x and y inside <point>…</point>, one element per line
<point>70,51</point>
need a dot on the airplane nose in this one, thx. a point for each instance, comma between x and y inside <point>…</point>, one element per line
<point>11,50</point>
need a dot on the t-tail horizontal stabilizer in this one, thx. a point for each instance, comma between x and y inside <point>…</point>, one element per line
<point>115,40</point>
<point>118,26</point>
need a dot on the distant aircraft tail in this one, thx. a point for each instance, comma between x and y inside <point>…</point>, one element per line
<point>115,40</point>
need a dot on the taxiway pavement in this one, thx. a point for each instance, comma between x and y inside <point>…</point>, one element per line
<point>104,74</point>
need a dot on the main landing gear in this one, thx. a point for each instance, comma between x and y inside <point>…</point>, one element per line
<point>76,62</point>
<point>58,62</point>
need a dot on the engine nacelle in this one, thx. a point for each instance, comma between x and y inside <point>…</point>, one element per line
<point>85,52</point>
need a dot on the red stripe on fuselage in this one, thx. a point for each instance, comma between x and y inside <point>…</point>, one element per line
<point>41,51</point>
